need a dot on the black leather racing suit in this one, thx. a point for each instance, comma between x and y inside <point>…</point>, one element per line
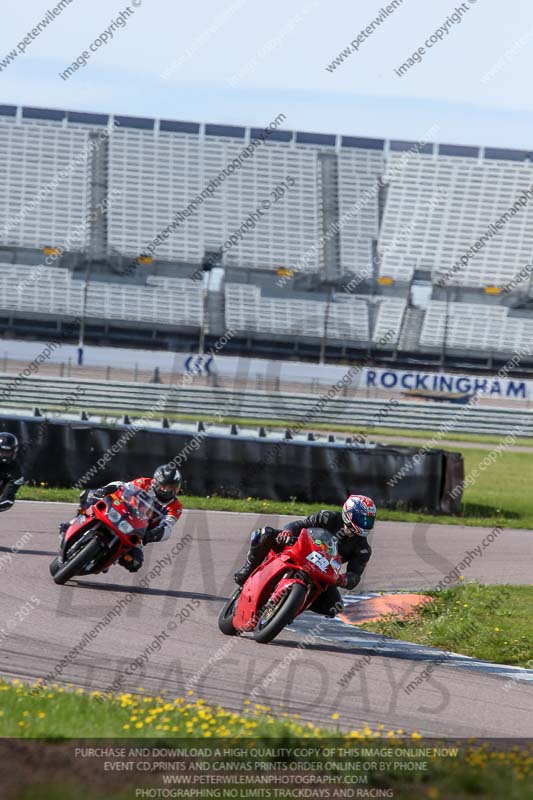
<point>11,479</point>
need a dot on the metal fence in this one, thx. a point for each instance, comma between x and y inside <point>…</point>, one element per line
<point>114,398</point>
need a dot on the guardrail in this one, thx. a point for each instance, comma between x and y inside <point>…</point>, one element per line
<point>116,398</point>
<point>237,463</point>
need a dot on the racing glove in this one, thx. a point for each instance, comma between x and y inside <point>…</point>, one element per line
<point>349,580</point>
<point>5,505</point>
<point>286,538</point>
<point>154,534</point>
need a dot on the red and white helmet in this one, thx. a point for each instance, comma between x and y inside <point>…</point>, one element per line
<point>359,514</point>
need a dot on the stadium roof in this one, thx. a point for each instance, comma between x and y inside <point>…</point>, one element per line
<point>239,132</point>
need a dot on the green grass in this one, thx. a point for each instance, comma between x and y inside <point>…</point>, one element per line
<point>500,496</point>
<point>254,505</point>
<point>488,622</point>
<point>57,714</point>
<point>503,490</point>
<point>65,712</point>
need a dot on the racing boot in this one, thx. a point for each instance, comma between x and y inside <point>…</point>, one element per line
<point>132,560</point>
<point>242,574</point>
<point>261,542</point>
<point>63,528</point>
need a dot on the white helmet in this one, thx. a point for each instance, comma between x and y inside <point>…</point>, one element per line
<point>359,514</point>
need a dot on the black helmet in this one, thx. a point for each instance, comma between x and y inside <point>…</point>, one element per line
<point>9,446</point>
<point>167,482</point>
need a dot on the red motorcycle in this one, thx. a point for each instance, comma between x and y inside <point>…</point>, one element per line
<point>282,587</point>
<point>105,532</point>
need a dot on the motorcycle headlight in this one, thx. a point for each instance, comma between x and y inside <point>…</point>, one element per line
<point>125,527</point>
<point>114,515</point>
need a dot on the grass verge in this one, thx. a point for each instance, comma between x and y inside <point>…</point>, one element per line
<point>488,622</point>
<point>56,714</point>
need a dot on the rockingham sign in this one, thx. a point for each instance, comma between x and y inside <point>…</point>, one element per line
<point>369,379</point>
<point>401,381</point>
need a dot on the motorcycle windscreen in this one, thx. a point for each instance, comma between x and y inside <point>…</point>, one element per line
<point>324,541</point>
<point>325,549</point>
<point>139,503</point>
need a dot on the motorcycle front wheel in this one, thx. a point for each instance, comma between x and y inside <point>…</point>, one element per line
<point>274,618</point>
<point>225,618</point>
<point>75,565</point>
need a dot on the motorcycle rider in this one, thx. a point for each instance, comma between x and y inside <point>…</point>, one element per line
<point>350,527</point>
<point>164,487</point>
<point>11,478</point>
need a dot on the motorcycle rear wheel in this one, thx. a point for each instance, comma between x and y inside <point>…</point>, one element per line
<point>225,618</point>
<point>283,614</point>
<point>75,565</point>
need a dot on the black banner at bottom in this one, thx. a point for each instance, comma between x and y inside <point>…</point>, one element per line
<point>265,768</point>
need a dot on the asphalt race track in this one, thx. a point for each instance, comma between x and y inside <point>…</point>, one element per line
<point>164,637</point>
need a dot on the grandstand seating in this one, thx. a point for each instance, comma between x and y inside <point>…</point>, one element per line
<point>439,205</point>
<point>359,171</point>
<point>420,208</point>
<point>33,158</point>
<point>348,319</point>
<point>172,169</point>
<point>389,320</point>
<point>474,326</point>
<point>53,291</point>
<point>155,168</point>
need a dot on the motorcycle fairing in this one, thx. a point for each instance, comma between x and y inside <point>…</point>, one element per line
<point>99,513</point>
<point>268,581</point>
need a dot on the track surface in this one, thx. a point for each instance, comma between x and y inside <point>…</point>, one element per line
<point>452,702</point>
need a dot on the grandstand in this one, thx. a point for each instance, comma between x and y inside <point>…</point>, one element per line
<point>476,327</point>
<point>177,302</point>
<point>374,238</point>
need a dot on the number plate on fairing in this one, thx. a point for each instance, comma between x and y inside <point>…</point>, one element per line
<point>318,560</point>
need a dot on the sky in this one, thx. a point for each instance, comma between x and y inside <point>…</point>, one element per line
<point>244,62</point>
